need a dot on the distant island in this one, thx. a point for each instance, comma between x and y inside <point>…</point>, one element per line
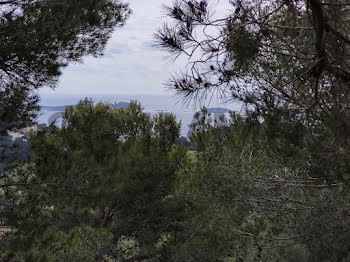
<point>218,110</point>
<point>120,105</point>
<point>56,108</point>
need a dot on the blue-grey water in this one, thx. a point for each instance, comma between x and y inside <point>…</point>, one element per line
<point>152,104</point>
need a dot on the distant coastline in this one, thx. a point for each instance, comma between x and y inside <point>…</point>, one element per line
<point>152,104</point>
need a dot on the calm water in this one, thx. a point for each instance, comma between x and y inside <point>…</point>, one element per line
<point>151,103</point>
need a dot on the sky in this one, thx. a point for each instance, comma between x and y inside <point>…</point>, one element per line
<point>131,64</point>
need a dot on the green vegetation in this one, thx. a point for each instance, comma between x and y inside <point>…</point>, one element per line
<point>39,38</point>
<point>104,179</point>
<point>117,185</point>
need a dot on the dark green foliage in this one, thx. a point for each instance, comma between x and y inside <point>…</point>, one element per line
<point>242,47</point>
<point>111,184</point>
<point>183,141</point>
<point>276,183</point>
<point>290,56</point>
<point>47,35</point>
<point>106,169</point>
<point>262,191</point>
<point>18,108</point>
<point>39,38</point>
<point>12,152</point>
<point>117,185</point>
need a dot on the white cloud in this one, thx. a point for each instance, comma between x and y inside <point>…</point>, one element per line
<point>131,64</point>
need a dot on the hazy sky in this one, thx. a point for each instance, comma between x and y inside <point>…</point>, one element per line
<point>131,65</point>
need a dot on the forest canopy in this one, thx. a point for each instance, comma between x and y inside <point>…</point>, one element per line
<point>116,184</point>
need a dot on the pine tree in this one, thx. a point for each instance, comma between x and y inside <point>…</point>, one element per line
<point>108,174</point>
<point>39,38</point>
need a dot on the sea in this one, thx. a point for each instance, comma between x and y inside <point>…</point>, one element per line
<point>184,110</point>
